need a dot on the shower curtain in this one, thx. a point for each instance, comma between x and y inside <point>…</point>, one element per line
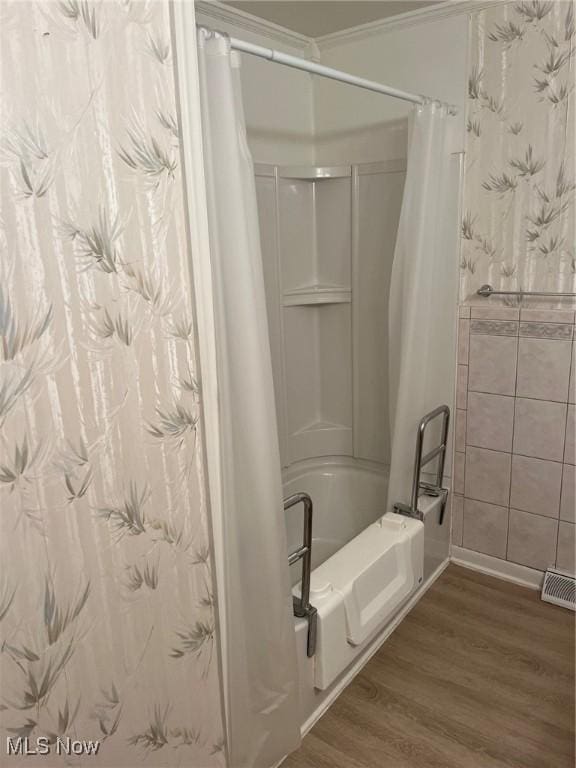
<point>423,288</point>
<point>259,642</point>
<point>107,630</point>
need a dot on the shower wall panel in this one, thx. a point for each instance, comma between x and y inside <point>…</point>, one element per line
<point>378,199</point>
<point>267,213</point>
<point>328,237</point>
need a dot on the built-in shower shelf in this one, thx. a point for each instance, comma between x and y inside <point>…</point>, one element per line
<point>317,294</point>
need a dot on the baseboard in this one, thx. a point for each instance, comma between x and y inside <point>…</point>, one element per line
<point>493,566</point>
<point>374,646</point>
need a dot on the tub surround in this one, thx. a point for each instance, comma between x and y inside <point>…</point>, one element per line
<point>328,236</point>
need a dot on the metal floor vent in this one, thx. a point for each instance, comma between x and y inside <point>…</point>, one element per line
<point>559,588</point>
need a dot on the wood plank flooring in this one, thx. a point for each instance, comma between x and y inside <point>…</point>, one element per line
<point>479,675</point>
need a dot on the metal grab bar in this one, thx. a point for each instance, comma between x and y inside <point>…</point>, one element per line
<point>301,605</point>
<point>421,461</point>
<point>430,489</point>
<point>487,290</point>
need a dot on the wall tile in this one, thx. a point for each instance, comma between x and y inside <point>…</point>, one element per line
<point>463,341</point>
<point>547,315</point>
<point>488,476</point>
<point>539,429</point>
<point>460,431</point>
<point>457,519</point>
<point>485,527</point>
<point>532,540</point>
<point>536,486</point>
<point>494,327</point>
<point>490,421</point>
<point>459,469</point>
<point>572,387</point>
<point>493,364</point>
<point>543,369</point>
<point>495,312</point>
<point>547,330</point>
<point>565,556</point>
<point>568,501</point>
<point>569,451</point>
<point>461,386</point>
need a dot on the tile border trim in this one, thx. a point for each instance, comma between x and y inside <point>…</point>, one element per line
<point>552,331</point>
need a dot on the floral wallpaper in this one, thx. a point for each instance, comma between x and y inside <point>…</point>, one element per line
<point>107,620</point>
<point>518,221</point>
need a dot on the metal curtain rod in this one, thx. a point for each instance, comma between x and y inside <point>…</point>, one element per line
<point>319,69</point>
<point>487,290</point>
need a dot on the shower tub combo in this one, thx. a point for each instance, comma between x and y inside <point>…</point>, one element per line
<point>327,235</point>
<point>366,567</point>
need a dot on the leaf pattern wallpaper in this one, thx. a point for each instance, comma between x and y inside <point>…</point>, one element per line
<point>518,221</point>
<point>107,615</point>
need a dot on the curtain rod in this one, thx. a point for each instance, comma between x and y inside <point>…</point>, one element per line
<point>319,69</point>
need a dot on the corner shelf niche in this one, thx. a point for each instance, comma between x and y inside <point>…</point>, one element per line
<point>314,215</point>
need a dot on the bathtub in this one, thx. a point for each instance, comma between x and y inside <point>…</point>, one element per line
<point>348,497</point>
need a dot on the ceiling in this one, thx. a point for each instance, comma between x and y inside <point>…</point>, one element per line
<point>316,18</point>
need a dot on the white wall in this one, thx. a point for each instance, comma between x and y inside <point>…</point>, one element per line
<point>294,118</point>
<point>278,102</point>
<point>359,126</point>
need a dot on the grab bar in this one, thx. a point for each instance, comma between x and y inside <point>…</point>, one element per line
<point>301,605</point>
<point>430,489</point>
<point>487,290</point>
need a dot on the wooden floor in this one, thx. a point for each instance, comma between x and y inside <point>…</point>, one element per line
<point>479,675</point>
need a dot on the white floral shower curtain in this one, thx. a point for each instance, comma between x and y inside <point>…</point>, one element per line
<point>107,627</point>
<point>423,292</point>
<point>259,642</point>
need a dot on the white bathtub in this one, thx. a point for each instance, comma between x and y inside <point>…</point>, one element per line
<point>347,497</point>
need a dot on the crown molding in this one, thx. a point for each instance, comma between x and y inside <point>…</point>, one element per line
<point>220,13</point>
<point>404,20</point>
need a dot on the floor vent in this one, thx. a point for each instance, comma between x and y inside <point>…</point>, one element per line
<point>559,588</point>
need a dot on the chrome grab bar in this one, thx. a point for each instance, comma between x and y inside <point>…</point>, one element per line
<point>302,607</point>
<point>430,489</point>
<point>487,290</point>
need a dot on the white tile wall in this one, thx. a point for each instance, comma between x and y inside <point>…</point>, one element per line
<point>539,428</point>
<point>515,436</point>
<point>485,527</point>
<point>490,421</point>
<point>532,540</point>
<point>543,369</point>
<point>536,485</point>
<point>487,475</point>
<point>493,364</point>
<point>565,556</point>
